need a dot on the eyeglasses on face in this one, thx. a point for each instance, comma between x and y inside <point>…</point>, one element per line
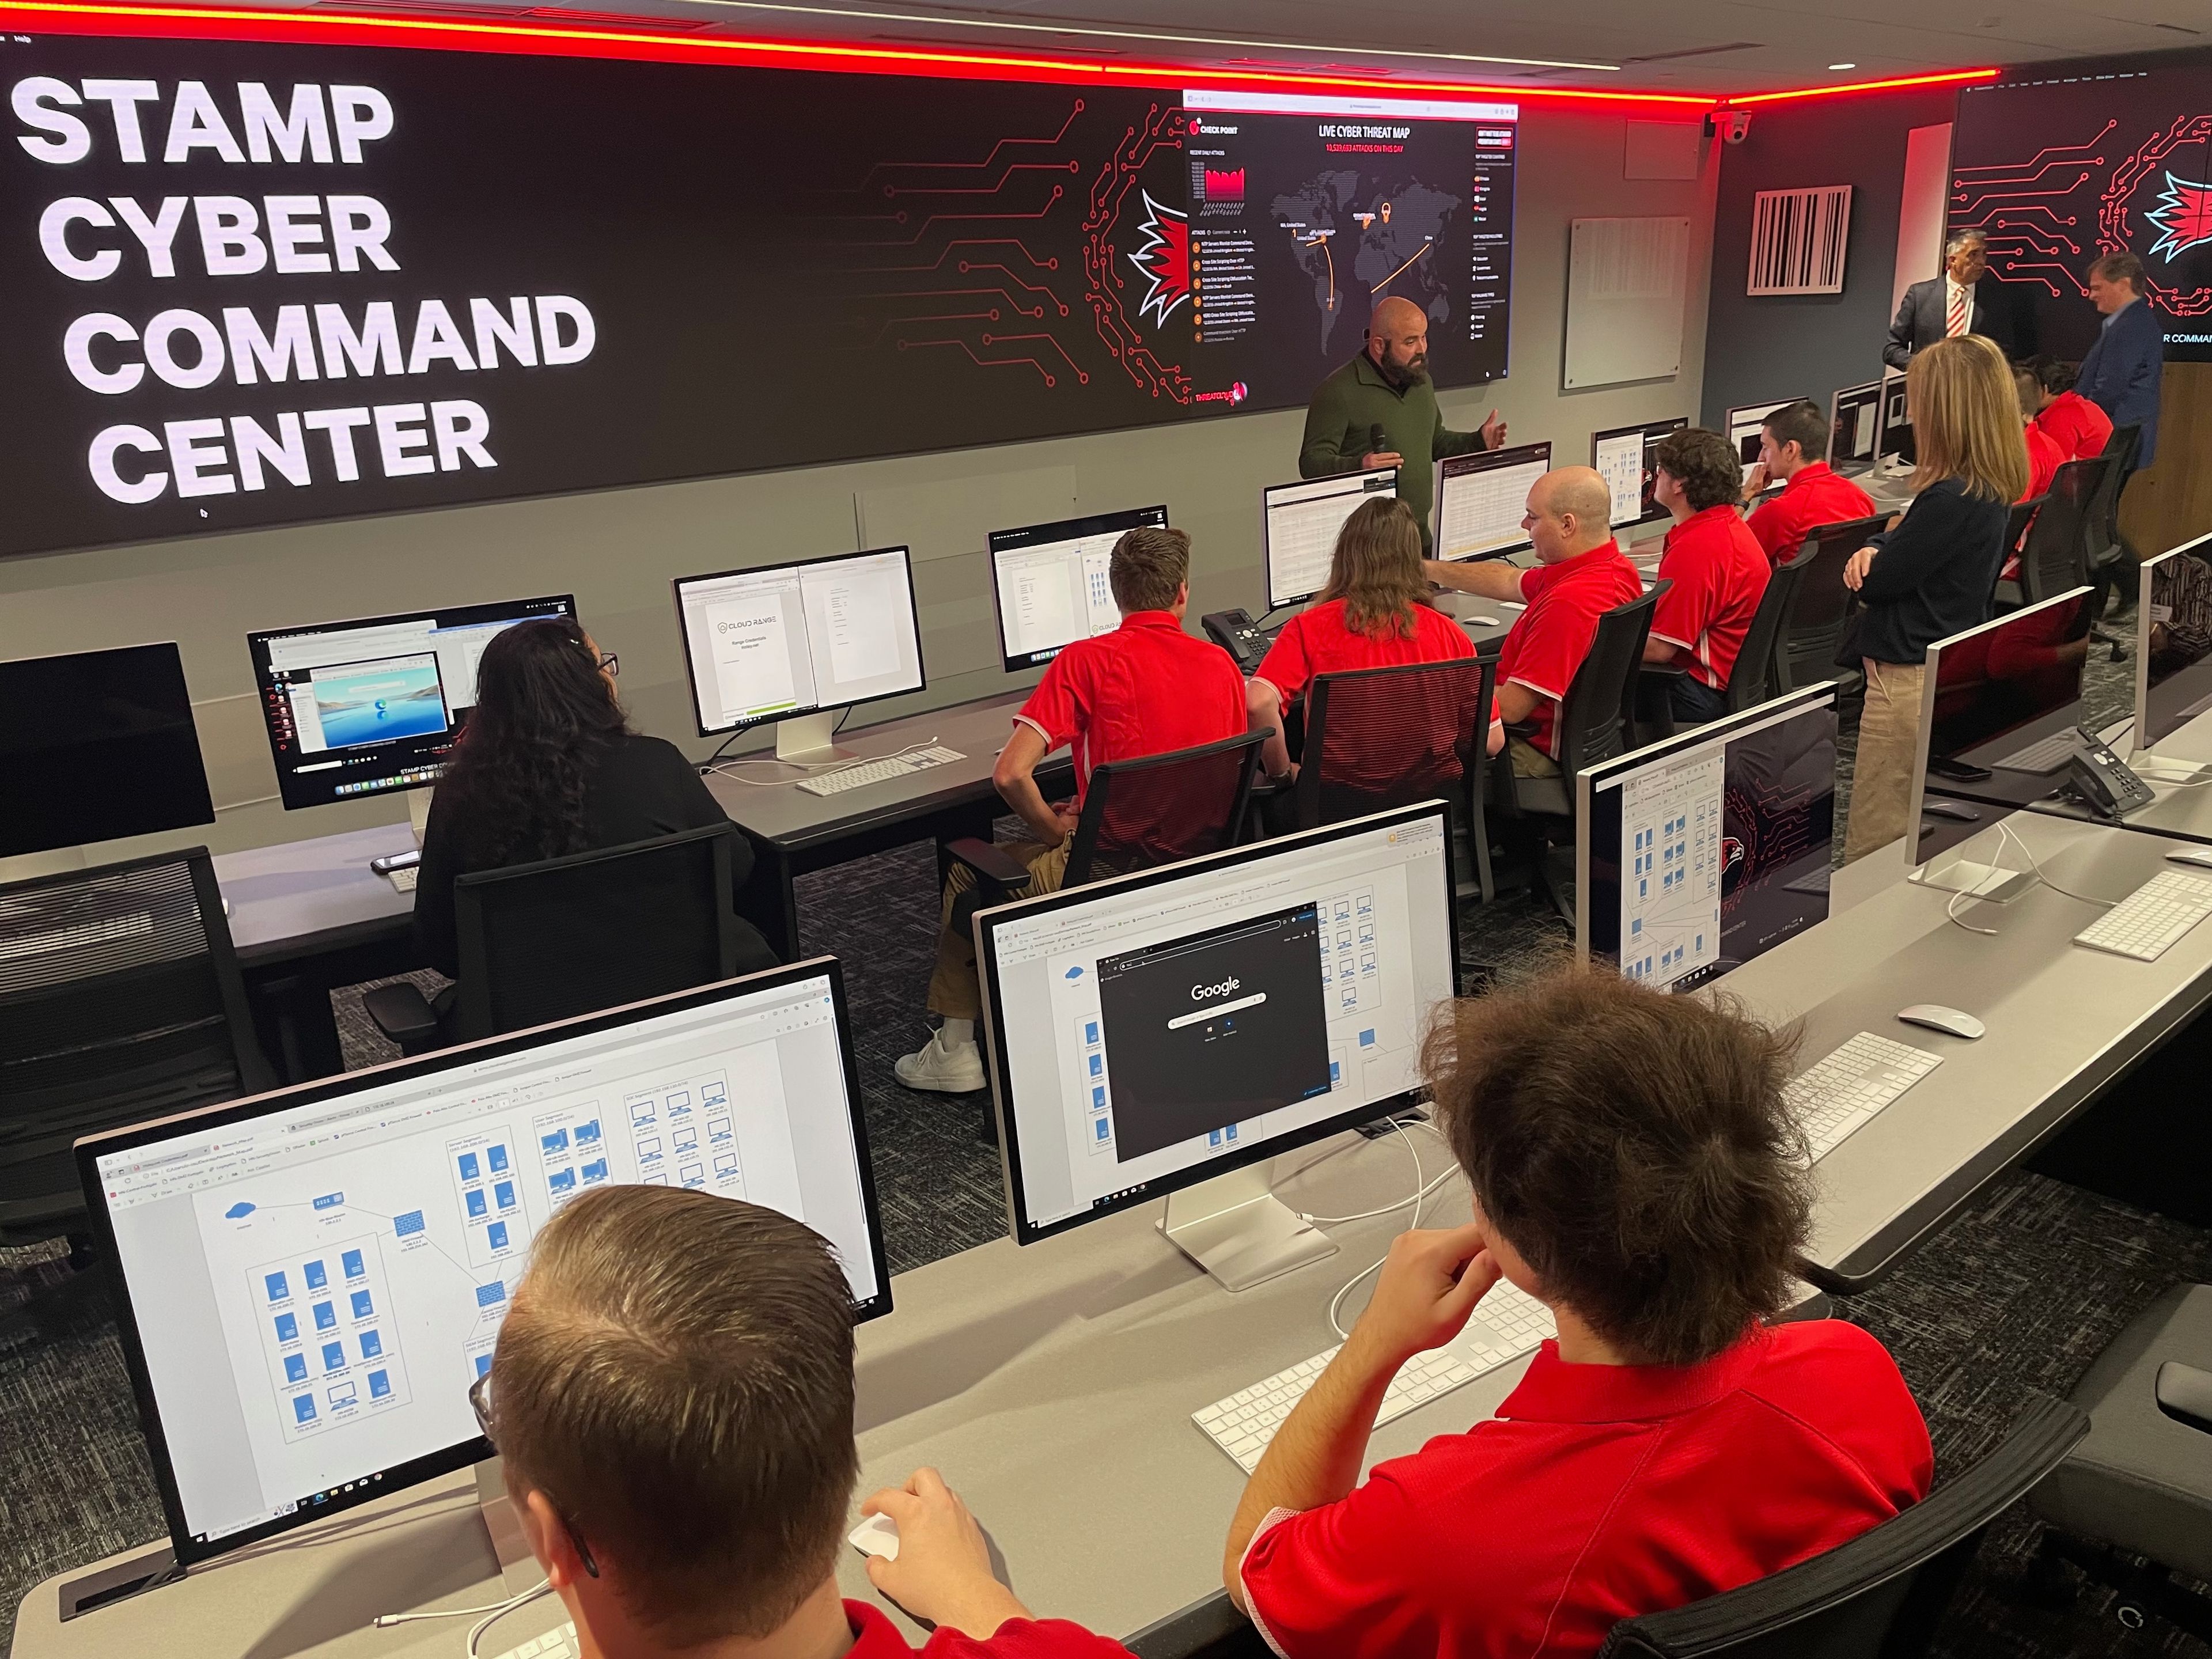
<point>480,1402</point>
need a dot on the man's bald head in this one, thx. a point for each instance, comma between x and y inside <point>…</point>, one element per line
<point>1398,338</point>
<point>1570,512</point>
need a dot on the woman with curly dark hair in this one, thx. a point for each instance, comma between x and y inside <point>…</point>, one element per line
<point>1633,1167</point>
<point>548,765</point>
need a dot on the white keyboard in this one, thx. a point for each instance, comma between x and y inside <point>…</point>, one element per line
<point>559,1642</point>
<point>1506,1325</point>
<point>861,774</point>
<point>2044,757</point>
<point>403,880</point>
<point>2144,923</point>
<point>1841,1092</point>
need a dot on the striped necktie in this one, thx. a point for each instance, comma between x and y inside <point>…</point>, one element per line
<point>1956,324</point>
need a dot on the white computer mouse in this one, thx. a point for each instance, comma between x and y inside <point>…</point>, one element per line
<point>1484,622</point>
<point>2198,855</point>
<point>1937,1017</point>
<point>877,1535</point>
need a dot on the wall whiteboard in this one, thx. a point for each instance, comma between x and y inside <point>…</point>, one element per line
<point>1627,289</point>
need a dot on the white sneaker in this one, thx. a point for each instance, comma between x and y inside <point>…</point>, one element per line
<point>942,1070</point>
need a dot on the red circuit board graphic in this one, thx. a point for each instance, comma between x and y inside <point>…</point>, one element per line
<point>1109,281</point>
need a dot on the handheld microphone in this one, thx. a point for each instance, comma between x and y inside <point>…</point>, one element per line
<point>1378,442</point>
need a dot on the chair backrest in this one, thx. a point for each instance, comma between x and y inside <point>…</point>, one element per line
<point>1138,814</point>
<point>2100,520</point>
<point>1379,737</point>
<point>1758,675</point>
<point>120,1000</point>
<point>1877,1596</point>
<point>569,936</point>
<point>2054,557</point>
<point>1820,609</point>
<point>1599,710</point>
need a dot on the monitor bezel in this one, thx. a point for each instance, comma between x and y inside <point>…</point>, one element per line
<point>1139,519</point>
<point>1391,474</point>
<point>1497,461</point>
<point>1729,425</point>
<point>202,804</point>
<point>691,668</point>
<point>1647,432</point>
<point>1836,402</point>
<point>90,1148</point>
<point>1788,706</point>
<point>993,1016</point>
<point>294,797</point>
<point>2143,622</point>
<point>1904,429</point>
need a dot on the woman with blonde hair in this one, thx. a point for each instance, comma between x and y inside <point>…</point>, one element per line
<point>1931,575</point>
<point>1375,613</point>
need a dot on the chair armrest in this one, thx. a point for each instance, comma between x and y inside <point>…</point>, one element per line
<point>993,865</point>
<point>400,1013</point>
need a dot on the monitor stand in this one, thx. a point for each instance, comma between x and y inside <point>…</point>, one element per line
<point>2167,768</point>
<point>519,1570</point>
<point>418,812</point>
<point>1992,884</point>
<point>1239,1231</point>
<point>808,739</point>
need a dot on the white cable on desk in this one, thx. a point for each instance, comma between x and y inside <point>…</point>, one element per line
<point>386,1620</point>
<point>728,768</point>
<point>2005,833</point>
<point>1420,1192</point>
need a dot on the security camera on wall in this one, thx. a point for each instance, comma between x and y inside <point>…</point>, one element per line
<point>1733,125</point>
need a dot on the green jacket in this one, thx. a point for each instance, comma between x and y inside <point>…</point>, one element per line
<point>1354,400</point>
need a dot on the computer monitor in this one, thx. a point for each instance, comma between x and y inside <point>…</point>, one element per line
<point>1744,422</point>
<point>96,746</point>
<point>1706,849</point>
<point>1164,1029</point>
<point>2000,725</point>
<point>800,643</point>
<point>1299,523</point>
<point>1895,439</point>
<point>358,708</point>
<point>2174,646</point>
<point>1855,426</point>
<point>1625,456</point>
<point>307,1282</point>
<point>1481,499</point>
<point>1050,582</point>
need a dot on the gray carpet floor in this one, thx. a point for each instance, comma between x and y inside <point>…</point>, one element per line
<point>2019,1293</point>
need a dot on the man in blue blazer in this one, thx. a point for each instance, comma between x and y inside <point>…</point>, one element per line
<point>2122,373</point>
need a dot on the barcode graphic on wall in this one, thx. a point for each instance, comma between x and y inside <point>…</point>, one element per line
<point>1798,239</point>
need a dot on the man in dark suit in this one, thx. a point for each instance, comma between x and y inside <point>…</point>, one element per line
<point>1963,300</point>
<point>2123,370</point>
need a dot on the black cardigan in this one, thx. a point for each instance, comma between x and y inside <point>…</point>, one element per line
<point>1933,577</point>
<point>644,787</point>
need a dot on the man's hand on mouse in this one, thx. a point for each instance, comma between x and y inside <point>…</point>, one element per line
<point>943,1572</point>
<point>1429,1286</point>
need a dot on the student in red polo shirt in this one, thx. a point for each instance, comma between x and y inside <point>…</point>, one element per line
<point>2044,456</point>
<point>1375,613</point>
<point>672,1398</point>
<point>1718,568</point>
<point>2078,427</point>
<point>1145,688</point>
<point>1633,1166</point>
<point>1812,496</point>
<point>1581,574</point>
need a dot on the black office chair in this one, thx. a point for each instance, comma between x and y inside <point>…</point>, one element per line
<point>120,1000</point>
<point>1596,722</point>
<point>568,936</point>
<point>1820,609</point>
<point>1879,1596</point>
<point>2052,559</point>
<point>1379,737</point>
<point>1756,678</point>
<point>1136,814</point>
<point>2011,595</point>
<point>2102,546</point>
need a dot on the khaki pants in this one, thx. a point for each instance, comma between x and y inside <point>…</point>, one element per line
<point>1528,761</point>
<point>954,990</point>
<point>1882,780</point>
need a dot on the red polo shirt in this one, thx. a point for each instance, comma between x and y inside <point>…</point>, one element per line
<point>1814,497</point>
<point>2044,458</point>
<point>1598,1492</point>
<point>1142,690</point>
<point>2078,427</point>
<point>1553,635</point>
<point>874,1637</point>
<point>1719,572</point>
<point>1317,641</point>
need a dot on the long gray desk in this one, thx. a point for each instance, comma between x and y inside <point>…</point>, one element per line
<point>1052,1386</point>
<point>307,916</point>
<point>2062,1022</point>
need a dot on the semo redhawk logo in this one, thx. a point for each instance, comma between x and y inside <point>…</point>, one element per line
<point>1163,260</point>
<point>2183,215</point>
